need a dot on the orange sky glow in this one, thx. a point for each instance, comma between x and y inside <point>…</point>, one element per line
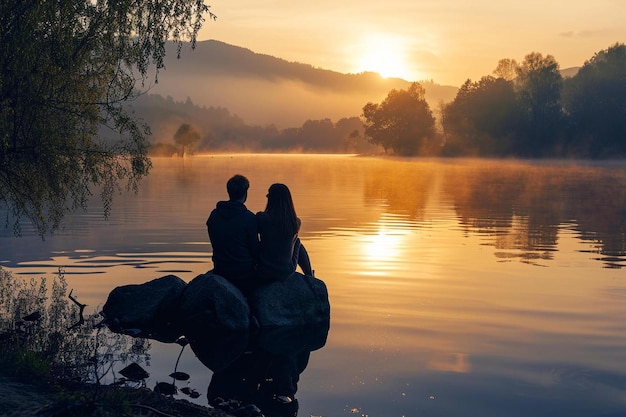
<point>447,41</point>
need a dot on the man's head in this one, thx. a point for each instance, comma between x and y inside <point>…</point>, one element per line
<point>237,188</point>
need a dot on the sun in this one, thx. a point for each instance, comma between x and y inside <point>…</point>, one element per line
<point>385,55</point>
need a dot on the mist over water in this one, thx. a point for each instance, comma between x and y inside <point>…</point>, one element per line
<point>457,287</point>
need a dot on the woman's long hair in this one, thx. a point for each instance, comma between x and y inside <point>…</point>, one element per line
<point>281,210</point>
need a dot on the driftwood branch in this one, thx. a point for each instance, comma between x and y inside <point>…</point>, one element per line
<point>81,308</point>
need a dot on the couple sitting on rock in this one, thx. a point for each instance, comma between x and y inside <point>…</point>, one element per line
<point>250,249</point>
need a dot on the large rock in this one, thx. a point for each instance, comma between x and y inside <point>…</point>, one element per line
<point>210,301</point>
<point>215,318</point>
<point>299,300</point>
<point>146,310</point>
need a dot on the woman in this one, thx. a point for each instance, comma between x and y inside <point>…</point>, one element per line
<point>280,248</point>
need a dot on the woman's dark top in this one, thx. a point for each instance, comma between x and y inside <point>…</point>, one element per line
<point>278,254</point>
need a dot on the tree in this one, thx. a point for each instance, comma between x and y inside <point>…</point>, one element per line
<point>318,136</point>
<point>186,136</point>
<point>67,67</point>
<point>507,69</point>
<point>595,99</point>
<point>403,122</point>
<point>482,118</point>
<point>539,84</point>
<point>349,130</point>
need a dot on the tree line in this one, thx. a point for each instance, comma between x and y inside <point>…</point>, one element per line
<point>523,110</point>
<point>183,128</point>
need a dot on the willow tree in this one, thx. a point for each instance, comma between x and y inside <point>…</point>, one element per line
<point>67,68</point>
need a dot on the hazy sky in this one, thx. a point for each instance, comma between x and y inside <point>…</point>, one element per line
<point>444,40</point>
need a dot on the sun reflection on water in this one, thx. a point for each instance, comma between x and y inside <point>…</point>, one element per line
<point>383,247</point>
<point>453,280</point>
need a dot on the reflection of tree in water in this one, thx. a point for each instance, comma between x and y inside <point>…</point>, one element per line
<point>600,211</point>
<point>186,174</point>
<point>403,187</point>
<point>523,205</point>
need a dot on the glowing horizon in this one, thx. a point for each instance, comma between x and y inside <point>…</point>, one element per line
<point>444,40</point>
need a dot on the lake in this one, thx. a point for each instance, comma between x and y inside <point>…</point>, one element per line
<point>457,287</point>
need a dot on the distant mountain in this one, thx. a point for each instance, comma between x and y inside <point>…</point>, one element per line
<point>569,72</point>
<point>262,89</point>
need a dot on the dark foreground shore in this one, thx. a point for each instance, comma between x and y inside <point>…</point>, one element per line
<point>19,398</point>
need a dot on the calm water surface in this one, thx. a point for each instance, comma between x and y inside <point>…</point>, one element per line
<point>458,287</point>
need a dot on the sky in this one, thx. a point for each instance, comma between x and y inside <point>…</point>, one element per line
<point>447,41</point>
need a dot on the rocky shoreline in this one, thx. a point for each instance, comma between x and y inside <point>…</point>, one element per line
<point>19,398</point>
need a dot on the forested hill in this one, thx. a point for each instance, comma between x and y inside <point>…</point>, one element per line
<point>262,89</point>
<point>231,99</point>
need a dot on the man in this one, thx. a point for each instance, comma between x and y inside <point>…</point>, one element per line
<point>233,234</point>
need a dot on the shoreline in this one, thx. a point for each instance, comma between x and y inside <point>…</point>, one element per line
<point>23,398</point>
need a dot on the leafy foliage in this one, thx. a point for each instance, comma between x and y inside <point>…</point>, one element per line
<point>596,102</point>
<point>506,69</point>
<point>538,114</point>
<point>539,85</point>
<point>481,120</point>
<point>403,122</point>
<point>66,69</point>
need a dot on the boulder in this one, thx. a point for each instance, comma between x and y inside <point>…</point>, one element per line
<point>146,310</point>
<point>299,300</point>
<point>211,301</point>
<point>215,319</point>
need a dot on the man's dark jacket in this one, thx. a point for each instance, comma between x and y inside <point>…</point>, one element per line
<point>233,233</point>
